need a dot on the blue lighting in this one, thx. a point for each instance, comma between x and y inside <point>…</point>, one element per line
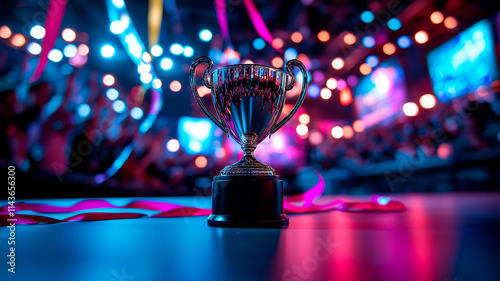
<point>156,50</point>
<point>259,43</point>
<point>176,49</point>
<point>37,151</point>
<point>107,51</point>
<point>112,94</point>
<point>367,17</point>
<point>383,200</point>
<point>118,3</point>
<point>188,51</point>
<point>136,113</point>
<point>196,135</point>
<point>290,53</point>
<point>394,24</point>
<point>55,55</point>
<point>372,61</point>
<point>116,27</point>
<point>166,64</point>
<point>313,91</point>
<point>205,35</point>
<point>368,41</point>
<point>70,50</point>
<point>404,42</point>
<point>83,110</point>
<point>34,48</point>
<point>119,106</point>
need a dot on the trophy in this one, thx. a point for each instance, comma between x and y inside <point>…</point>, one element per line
<point>248,99</point>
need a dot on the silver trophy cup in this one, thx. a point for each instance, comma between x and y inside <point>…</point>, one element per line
<point>248,99</point>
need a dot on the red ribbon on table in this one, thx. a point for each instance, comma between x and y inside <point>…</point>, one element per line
<point>296,204</point>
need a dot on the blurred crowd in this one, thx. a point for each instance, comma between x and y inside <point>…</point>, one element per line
<point>62,143</point>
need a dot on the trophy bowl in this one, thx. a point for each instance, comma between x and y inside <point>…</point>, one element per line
<point>248,99</point>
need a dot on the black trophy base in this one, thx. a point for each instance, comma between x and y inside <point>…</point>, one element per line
<point>247,202</point>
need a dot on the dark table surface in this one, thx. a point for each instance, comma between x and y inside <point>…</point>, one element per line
<point>440,237</point>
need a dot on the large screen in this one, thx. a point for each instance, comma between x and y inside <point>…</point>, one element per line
<point>198,136</point>
<point>464,63</point>
<point>380,95</point>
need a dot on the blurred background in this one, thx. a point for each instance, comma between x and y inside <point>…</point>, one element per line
<point>404,96</point>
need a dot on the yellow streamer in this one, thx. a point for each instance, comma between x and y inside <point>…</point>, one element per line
<point>154,21</point>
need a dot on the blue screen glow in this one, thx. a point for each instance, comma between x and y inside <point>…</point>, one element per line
<point>464,63</point>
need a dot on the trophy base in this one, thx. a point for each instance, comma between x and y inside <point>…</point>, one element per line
<point>247,202</point>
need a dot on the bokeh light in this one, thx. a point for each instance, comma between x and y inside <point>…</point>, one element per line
<point>323,36</point>
<point>70,51</point>
<point>37,32</point>
<point>83,50</point>
<point>34,48</point>
<point>349,39</point>
<point>337,132</point>
<point>205,35</point>
<point>188,51</point>
<point>108,80</point>
<point>358,126</point>
<point>201,162</point>
<point>176,49</point>
<point>368,41</point>
<point>372,61</point>
<point>277,62</point>
<point>119,106</point>
<point>136,113</point>
<point>175,86</point>
<point>421,37</point>
<point>389,49</point>
<point>18,40</point>
<point>345,97</point>
<point>304,118</point>
<point>55,55</point>
<point>326,93</point>
<point>337,63</point>
<point>410,109</point>
<point>302,130</point>
<point>313,91</point>
<point>277,43</point>
<point>68,34</point>
<point>437,17</point>
<point>156,50</point>
<point>394,24</point>
<point>259,43</point>
<point>450,22</point>
<point>404,41</point>
<point>83,110</point>
<point>112,94</point>
<point>296,37</point>
<point>365,69</point>
<point>348,132</point>
<point>166,64</point>
<point>5,32</point>
<point>107,51</point>
<point>173,145</point>
<point>367,16</point>
<point>331,83</point>
<point>427,101</point>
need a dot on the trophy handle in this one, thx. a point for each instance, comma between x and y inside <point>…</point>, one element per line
<point>289,86</point>
<point>207,83</point>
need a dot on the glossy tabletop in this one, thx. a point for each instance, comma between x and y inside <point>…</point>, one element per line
<point>440,237</point>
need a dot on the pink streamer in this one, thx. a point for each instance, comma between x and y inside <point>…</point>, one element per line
<point>259,24</point>
<point>53,20</point>
<point>220,9</point>
<point>167,210</point>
